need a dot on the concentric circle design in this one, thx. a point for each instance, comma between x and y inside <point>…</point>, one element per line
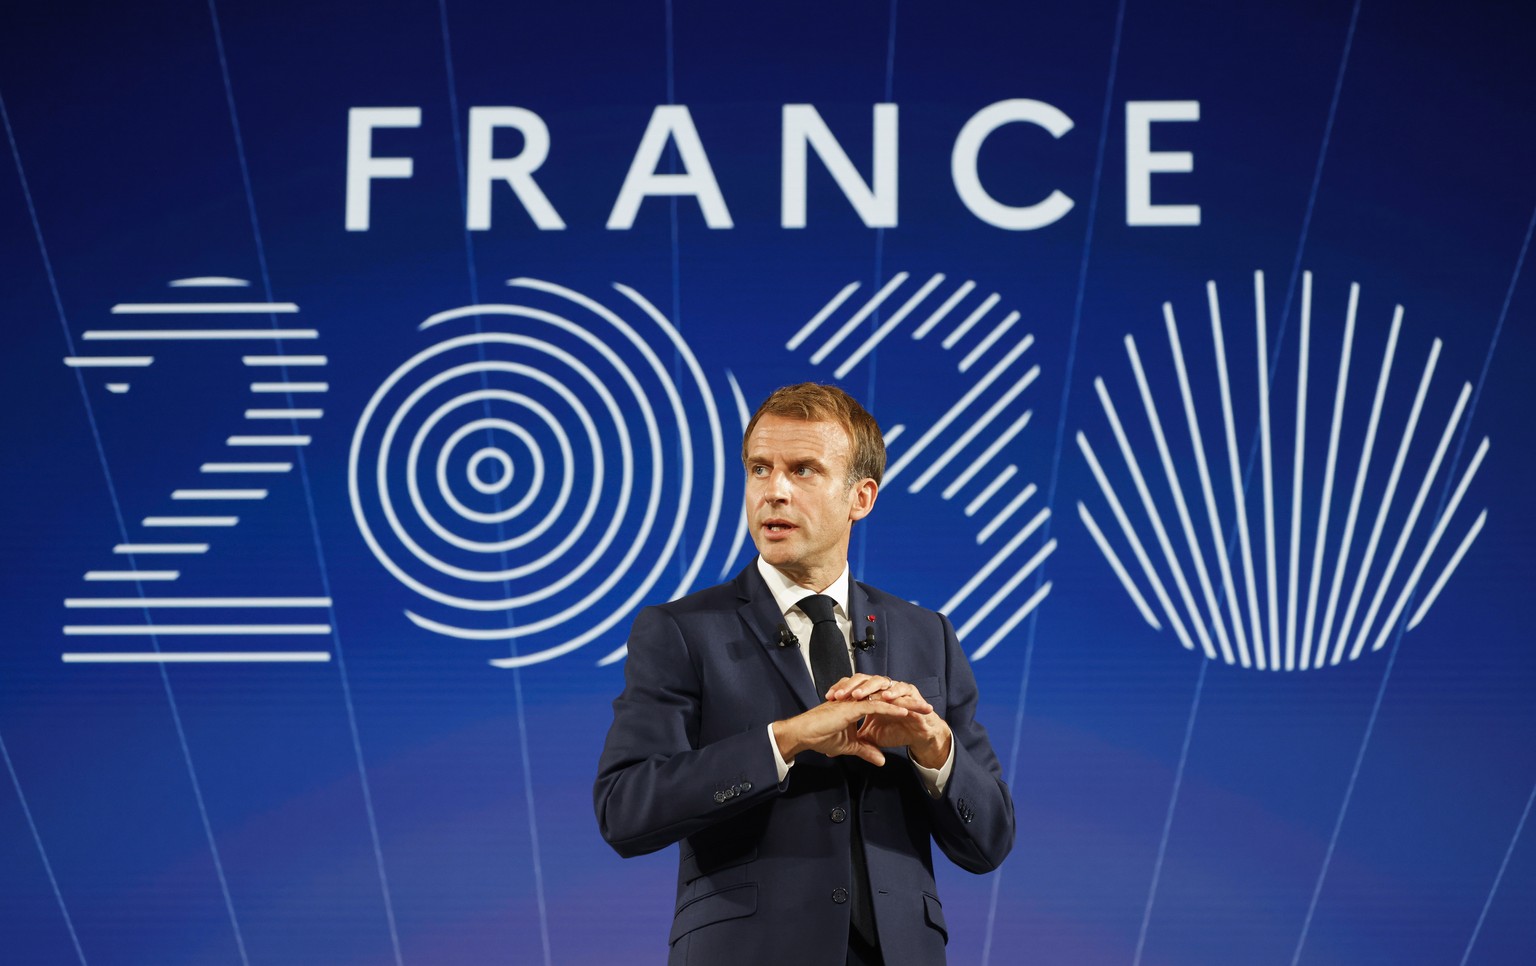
<point>530,474</point>
<point>495,484</point>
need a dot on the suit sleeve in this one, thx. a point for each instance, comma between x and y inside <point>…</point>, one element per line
<point>972,821</point>
<point>654,783</point>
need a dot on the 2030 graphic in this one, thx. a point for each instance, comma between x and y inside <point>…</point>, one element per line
<point>530,475</point>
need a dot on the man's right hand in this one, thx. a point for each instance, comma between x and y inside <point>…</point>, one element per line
<point>832,729</point>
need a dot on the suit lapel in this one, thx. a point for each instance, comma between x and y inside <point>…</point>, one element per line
<point>760,613</point>
<point>877,659</point>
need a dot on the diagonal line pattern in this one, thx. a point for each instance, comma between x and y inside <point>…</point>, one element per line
<point>998,331</point>
<point>1429,547</point>
<point>1386,500</point>
<point>1386,676</point>
<point>1359,488</point>
<point>474,293</point>
<point>986,570</point>
<point>1005,514</point>
<point>1450,568</point>
<point>1498,877</point>
<point>976,428</point>
<point>1116,565</point>
<point>42,853</point>
<point>943,310</point>
<point>1068,370</point>
<point>122,528</point>
<point>991,489</point>
<point>308,491</point>
<point>969,322</point>
<point>890,324</point>
<point>809,329</point>
<point>1173,801</point>
<point>981,386</point>
<point>1181,505</point>
<point>1002,592</point>
<point>987,455</point>
<point>1027,608</point>
<point>1317,178</point>
<point>1158,529</point>
<point>1192,422</point>
<point>1413,518</point>
<point>854,321</point>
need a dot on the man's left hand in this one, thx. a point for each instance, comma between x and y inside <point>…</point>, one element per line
<point>923,733</point>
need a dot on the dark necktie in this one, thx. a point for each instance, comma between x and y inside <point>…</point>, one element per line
<point>829,665</point>
<point>829,649</point>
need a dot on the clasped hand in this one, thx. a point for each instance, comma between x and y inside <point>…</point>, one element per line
<point>862,714</point>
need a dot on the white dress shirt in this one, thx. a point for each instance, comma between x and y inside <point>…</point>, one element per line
<point>787,595</point>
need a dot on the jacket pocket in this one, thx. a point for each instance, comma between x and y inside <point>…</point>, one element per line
<point>933,911</point>
<point>733,903</point>
<point>709,861</point>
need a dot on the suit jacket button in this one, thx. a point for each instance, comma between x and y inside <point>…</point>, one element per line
<point>720,798</point>
<point>838,814</point>
<point>746,786</point>
<point>839,895</point>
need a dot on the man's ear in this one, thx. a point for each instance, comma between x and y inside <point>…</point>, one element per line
<point>862,498</point>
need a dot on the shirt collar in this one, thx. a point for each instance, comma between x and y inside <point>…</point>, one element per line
<point>787,593</point>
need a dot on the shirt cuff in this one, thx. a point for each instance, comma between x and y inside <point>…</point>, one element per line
<point>934,779</point>
<point>784,766</point>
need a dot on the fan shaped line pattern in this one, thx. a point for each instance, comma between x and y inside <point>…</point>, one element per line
<point>1233,611</point>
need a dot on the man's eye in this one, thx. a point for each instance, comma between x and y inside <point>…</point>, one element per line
<point>803,471</point>
<point>759,471</point>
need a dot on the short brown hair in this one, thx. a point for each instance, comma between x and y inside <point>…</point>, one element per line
<point>818,403</point>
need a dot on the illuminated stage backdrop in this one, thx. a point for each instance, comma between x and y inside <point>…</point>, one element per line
<point>370,365</point>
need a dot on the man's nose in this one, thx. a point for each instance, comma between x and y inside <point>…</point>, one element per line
<point>778,488</point>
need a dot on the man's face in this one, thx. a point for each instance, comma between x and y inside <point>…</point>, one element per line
<point>799,505</point>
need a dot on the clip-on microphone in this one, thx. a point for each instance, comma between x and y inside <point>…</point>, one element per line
<point>787,637</point>
<point>868,642</point>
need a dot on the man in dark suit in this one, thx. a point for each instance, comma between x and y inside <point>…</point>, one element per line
<point>802,736</point>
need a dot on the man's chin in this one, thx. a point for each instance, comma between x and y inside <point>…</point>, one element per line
<point>777,553</point>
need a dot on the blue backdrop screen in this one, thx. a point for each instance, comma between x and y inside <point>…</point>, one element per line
<point>371,365</point>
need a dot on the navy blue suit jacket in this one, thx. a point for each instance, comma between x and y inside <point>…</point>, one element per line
<point>763,867</point>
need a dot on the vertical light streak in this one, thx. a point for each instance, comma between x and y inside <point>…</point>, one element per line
<point>1238,500</point>
<point>1268,469</point>
<point>1297,481</point>
<point>1320,543</point>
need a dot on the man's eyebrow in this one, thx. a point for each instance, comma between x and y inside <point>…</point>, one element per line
<point>814,462</point>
